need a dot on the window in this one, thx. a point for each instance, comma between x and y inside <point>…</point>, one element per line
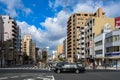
<point>98,43</point>
<point>82,32</point>
<point>109,49</point>
<point>82,43</point>
<point>82,27</point>
<point>85,14</point>
<point>66,66</point>
<point>98,52</point>
<point>115,48</point>
<point>78,14</point>
<point>73,66</point>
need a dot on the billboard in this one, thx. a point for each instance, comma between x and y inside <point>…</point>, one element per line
<point>117,22</point>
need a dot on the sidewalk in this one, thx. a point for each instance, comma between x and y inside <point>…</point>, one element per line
<point>103,67</point>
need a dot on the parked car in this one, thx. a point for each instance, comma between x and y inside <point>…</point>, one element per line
<point>69,67</point>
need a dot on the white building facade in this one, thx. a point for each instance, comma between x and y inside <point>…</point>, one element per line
<point>112,47</point>
<point>99,43</point>
<point>107,47</point>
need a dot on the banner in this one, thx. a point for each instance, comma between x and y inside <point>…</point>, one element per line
<point>117,22</point>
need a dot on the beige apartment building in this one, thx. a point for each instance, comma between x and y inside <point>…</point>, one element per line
<point>76,34</point>
<point>26,45</point>
<point>33,54</point>
<point>59,50</point>
<point>94,27</point>
<point>11,38</point>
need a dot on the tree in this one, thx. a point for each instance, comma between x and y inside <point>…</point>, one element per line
<point>44,56</point>
<point>25,58</point>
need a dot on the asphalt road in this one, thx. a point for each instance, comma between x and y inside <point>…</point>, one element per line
<point>49,75</point>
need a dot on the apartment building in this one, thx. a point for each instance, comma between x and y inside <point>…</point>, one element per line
<point>10,39</point>
<point>26,45</point>
<point>59,50</point>
<point>1,42</point>
<point>18,45</point>
<point>65,48</point>
<point>76,34</point>
<point>33,53</point>
<point>94,27</point>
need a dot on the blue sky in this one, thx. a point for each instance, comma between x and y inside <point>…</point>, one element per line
<point>46,20</point>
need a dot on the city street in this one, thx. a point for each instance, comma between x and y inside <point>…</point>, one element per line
<point>44,74</point>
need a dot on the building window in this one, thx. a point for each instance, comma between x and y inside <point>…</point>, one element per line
<point>98,52</point>
<point>82,27</point>
<point>85,14</point>
<point>82,43</point>
<point>98,43</point>
<point>82,33</point>
<point>82,48</point>
<point>78,14</point>
<point>116,49</point>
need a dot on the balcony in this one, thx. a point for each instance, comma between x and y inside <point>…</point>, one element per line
<point>14,35</point>
<point>14,31</point>
<point>14,23</point>
<point>14,27</point>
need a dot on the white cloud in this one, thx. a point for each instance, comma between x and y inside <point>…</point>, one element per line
<point>65,3</point>
<point>112,10</point>
<point>30,29</point>
<point>56,27</point>
<point>41,38</point>
<point>13,5</point>
<point>50,4</point>
<point>54,34</point>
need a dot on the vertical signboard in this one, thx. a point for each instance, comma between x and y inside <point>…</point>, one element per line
<point>91,46</point>
<point>117,22</point>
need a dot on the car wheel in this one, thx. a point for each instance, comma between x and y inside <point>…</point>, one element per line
<point>58,71</point>
<point>77,71</point>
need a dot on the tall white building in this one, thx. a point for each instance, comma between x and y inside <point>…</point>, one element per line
<point>11,32</point>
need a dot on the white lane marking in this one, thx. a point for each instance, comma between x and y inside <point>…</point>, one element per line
<point>40,77</point>
<point>29,79</point>
<point>24,75</point>
<point>14,77</point>
<point>53,77</point>
<point>3,78</point>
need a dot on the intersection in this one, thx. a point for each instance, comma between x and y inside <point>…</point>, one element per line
<point>30,73</point>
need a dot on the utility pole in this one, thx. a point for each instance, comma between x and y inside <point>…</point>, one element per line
<point>1,50</point>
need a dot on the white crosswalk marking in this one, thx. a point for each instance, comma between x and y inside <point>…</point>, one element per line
<point>26,68</point>
<point>14,76</point>
<point>3,78</point>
